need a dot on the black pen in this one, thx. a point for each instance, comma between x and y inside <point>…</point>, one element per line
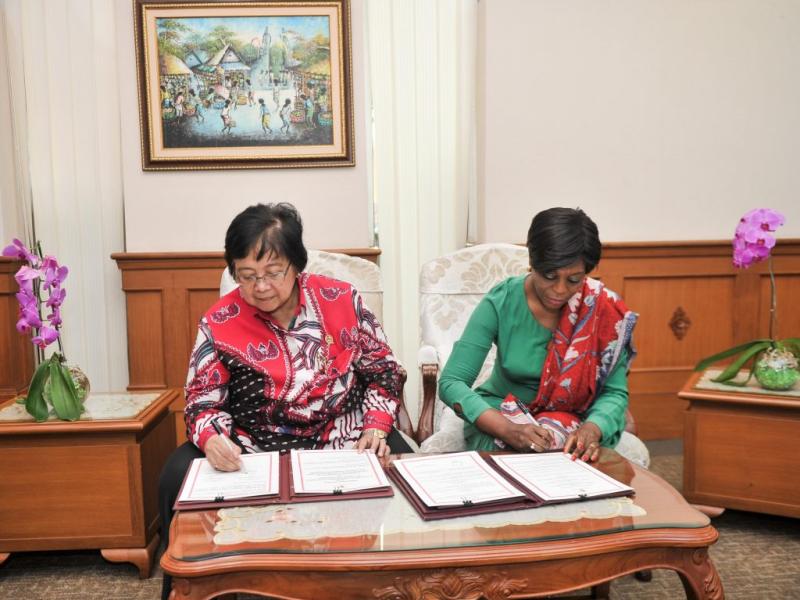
<point>525,411</point>
<point>218,428</point>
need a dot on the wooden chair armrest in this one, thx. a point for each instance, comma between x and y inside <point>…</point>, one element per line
<point>403,421</point>
<point>430,373</point>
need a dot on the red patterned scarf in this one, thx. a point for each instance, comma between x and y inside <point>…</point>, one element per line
<point>594,330</point>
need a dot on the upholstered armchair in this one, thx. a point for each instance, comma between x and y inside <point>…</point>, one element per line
<point>362,274</point>
<point>450,288</point>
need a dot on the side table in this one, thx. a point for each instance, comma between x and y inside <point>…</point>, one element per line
<point>91,483</point>
<point>738,446</point>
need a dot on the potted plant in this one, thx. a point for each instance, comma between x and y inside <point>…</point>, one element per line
<point>54,384</point>
<point>774,362</point>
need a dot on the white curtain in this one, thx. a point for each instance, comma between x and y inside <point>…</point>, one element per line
<point>64,107</point>
<point>422,73</point>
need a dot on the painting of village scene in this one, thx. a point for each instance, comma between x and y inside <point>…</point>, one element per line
<point>264,84</point>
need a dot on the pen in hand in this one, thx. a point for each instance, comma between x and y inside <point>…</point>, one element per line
<point>221,432</point>
<point>525,411</point>
<point>530,417</point>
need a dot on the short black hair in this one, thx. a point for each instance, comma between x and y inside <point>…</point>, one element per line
<point>266,228</point>
<point>559,237</point>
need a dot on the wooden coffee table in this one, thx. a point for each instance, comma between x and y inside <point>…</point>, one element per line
<point>463,559</point>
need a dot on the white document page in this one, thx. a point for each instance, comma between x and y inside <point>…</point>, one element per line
<point>259,477</point>
<point>455,479</point>
<point>326,471</point>
<point>555,476</point>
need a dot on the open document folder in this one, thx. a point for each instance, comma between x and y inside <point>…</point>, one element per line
<point>464,483</point>
<point>280,478</point>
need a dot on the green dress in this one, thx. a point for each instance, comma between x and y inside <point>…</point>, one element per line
<point>502,317</point>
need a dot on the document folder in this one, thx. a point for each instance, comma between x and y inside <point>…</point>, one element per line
<point>527,498</point>
<point>285,495</point>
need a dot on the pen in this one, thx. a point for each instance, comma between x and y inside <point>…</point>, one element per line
<point>220,431</point>
<point>525,411</point>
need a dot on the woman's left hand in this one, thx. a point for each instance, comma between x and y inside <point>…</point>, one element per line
<point>374,440</point>
<point>584,443</point>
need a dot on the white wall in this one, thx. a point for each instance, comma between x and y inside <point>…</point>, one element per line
<point>190,211</point>
<point>664,120</point>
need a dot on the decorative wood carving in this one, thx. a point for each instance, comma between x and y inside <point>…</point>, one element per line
<point>458,584</point>
<point>680,323</point>
<point>699,568</point>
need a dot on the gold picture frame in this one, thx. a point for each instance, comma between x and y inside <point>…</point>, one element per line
<point>244,84</point>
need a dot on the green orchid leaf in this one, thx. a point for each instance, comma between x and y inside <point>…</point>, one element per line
<point>733,369</point>
<point>744,382</point>
<point>792,345</point>
<point>63,396</point>
<point>707,362</point>
<point>74,388</point>
<point>34,401</point>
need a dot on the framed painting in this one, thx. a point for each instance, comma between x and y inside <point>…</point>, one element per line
<point>244,84</point>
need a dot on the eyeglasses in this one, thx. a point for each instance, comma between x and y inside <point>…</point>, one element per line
<point>251,279</point>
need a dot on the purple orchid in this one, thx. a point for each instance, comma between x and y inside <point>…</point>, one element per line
<point>56,298</point>
<point>54,275</point>
<point>47,335</point>
<point>753,240</point>
<point>40,277</point>
<point>18,250</point>
<point>40,283</point>
<point>55,317</point>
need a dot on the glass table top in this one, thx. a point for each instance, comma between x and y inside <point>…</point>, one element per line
<point>99,407</point>
<point>392,524</point>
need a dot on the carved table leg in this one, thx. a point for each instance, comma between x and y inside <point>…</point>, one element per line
<point>4,556</point>
<point>142,558</point>
<point>700,578</point>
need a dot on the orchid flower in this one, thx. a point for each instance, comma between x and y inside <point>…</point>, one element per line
<point>18,250</point>
<point>47,335</point>
<point>39,284</point>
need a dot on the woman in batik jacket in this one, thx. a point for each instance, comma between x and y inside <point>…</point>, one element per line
<point>288,359</point>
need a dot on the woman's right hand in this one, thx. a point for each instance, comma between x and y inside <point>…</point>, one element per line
<point>528,437</point>
<point>222,454</point>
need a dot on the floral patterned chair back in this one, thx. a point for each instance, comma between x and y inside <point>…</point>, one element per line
<point>450,288</point>
<point>364,275</point>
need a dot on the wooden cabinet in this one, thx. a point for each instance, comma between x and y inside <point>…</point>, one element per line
<point>92,483</point>
<point>738,448</point>
<point>16,351</point>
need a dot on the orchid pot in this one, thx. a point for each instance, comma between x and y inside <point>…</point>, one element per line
<point>776,369</point>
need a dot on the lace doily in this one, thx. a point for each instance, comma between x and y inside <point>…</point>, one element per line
<point>385,516</point>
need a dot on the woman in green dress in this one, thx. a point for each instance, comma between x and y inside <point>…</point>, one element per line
<point>563,350</point>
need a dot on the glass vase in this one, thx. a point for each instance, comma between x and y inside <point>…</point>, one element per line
<point>776,370</point>
<point>81,385</point>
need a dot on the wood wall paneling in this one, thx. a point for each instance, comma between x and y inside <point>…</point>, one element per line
<point>718,306</point>
<point>16,350</point>
<point>787,286</point>
<point>692,303</point>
